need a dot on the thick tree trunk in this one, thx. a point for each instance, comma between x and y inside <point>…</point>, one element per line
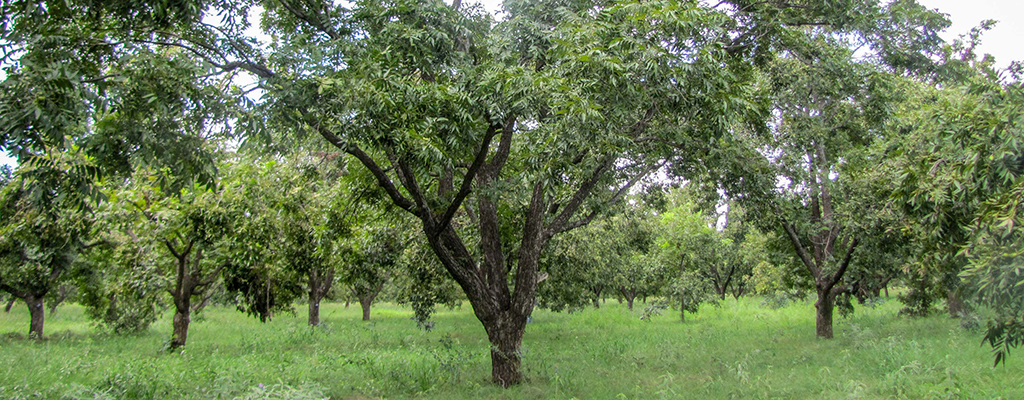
<point>365,303</point>
<point>182,318</point>
<point>36,312</point>
<point>10,303</point>
<point>629,303</point>
<point>597,303</point>
<point>506,337</point>
<point>826,305</point>
<point>180,336</point>
<point>314,312</point>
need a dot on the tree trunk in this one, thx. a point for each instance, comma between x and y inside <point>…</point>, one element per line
<point>182,318</point>
<point>36,312</point>
<point>314,311</point>
<point>682,311</point>
<point>365,303</point>
<point>506,337</point>
<point>826,305</point>
<point>629,303</point>
<point>10,303</point>
<point>62,294</point>
<point>597,303</point>
<point>955,304</point>
<point>181,321</point>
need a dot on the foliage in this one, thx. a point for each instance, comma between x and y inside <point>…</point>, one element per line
<point>959,170</point>
<point>38,246</point>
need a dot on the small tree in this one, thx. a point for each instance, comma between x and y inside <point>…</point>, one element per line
<point>38,245</point>
<point>372,261</point>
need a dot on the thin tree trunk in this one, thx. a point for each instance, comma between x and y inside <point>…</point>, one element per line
<point>955,304</point>
<point>823,323</point>
<point>62,294</point>
<point>37,314</point>
<point>682,310</point>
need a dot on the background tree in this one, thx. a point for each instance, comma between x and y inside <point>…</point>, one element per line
<point>38,246</point>
<point>181,230</point>
<point>582,266</point>
<point>372,261</point>
<point>828,108</point>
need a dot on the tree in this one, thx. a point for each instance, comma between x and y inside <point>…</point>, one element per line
<point>85,96</point>
<point>178,233</point>
<point>702,262</point>
<point>38,246</point>
<point>515,133</point>
<point>692,241</point>
<point>829,109</point>
<point>582,267</point>
<point>372,261</point>
<point>526,128</point>
<point>959,172</point>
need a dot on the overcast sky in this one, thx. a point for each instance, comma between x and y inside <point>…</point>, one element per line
<point>1004,41</point>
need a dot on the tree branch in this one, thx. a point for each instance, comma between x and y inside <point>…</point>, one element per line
<point>378,173</point>
<point>835,278</point>
<point>467,181</point>
<point>618,196</point>
<point>800,251</point>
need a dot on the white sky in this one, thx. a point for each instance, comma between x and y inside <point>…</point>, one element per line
<point>1003,41</point>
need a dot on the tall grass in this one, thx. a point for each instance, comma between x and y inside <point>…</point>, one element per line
<point>738,350</point>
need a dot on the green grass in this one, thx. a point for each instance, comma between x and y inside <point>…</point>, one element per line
<point>739,350</point>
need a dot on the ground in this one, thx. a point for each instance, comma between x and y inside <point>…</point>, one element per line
<point>738,350</point>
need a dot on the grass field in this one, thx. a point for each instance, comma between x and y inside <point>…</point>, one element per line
<point>739,350</point>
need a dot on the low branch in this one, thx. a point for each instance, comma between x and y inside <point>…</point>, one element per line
<point>835,278</point>
<point>618,196</point>
<point>800,250</point>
